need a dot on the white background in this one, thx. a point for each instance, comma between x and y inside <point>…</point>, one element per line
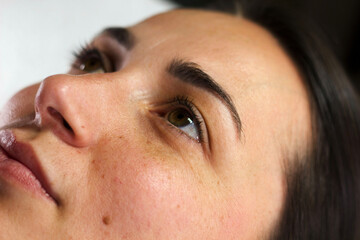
<point>37,37</point>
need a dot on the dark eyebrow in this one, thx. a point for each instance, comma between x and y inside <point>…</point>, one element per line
<point>122,35</point>
<point>191,73</point>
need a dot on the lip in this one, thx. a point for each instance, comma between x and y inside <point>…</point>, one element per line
<point>19,164</point>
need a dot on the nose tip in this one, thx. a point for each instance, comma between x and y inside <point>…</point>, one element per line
<point>59,107</point>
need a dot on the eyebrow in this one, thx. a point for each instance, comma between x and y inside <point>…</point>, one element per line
<point>122,35</point>
<point>191,73</point>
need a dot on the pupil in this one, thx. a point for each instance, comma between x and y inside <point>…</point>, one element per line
<point>180,116</point>
<point>92,62</point>
<point>91,65</point>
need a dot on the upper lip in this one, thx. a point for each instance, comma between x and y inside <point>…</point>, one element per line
<point>24,153</point>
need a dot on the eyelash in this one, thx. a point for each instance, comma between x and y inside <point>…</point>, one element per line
<point>185,102</point>
<point>82,51</point>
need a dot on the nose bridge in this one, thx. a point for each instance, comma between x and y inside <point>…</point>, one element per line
<point>68,104</point>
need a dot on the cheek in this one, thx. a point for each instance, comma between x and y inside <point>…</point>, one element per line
<point>19,106</point>
<point>157,199</point>
<point>149,196</point>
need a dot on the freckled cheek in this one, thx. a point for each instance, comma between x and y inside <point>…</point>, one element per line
<point>148,195</point>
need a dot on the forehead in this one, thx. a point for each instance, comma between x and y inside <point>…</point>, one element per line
<point>220,43</point>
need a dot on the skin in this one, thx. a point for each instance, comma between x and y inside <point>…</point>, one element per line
<point>127,174</point>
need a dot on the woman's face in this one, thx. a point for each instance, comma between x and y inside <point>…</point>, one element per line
<point>186,137</point>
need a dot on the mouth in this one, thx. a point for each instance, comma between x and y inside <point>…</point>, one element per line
<point>20,165</point>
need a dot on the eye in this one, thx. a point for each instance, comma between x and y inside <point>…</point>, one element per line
<point>182,114</point>
<point>92,65</point>
<point>91,60</point>
<point>184,120</point>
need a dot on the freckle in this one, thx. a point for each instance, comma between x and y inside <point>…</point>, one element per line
<point>117,180</point>
<point>178,206</point>
<point>218,182</point>
<point>103,176</point>
<point>93,161</point>
<point>120,137</point>
<point>106,220</point>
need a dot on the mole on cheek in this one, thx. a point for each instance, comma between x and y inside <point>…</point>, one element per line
<point>106,220</point>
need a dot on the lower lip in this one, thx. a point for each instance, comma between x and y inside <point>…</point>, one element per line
<point>18,174</point>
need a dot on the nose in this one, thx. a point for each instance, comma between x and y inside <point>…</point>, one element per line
<point>64,104</point>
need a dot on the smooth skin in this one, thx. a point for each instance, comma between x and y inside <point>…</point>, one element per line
<point>126,173</point>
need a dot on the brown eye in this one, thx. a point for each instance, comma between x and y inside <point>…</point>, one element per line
<point>179,118</point>
<point>91,60</point>
<point>92,65</point>
<point>185,122</point>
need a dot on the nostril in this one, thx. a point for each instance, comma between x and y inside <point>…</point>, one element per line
<point>66,125</point>
<point>58,117</point>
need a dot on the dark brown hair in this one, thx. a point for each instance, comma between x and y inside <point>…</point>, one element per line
<point>323,190</point>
